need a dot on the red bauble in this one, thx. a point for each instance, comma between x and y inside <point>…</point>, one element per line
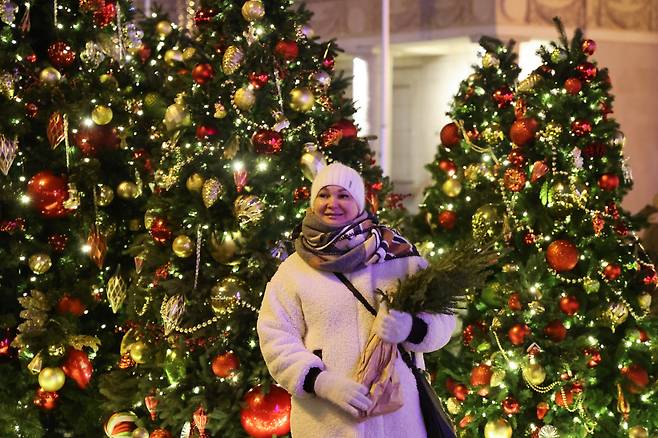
<point>593,356</point>
<point>523,131</point>
<point>556,331</point>
<point>594,150</point>
<point>144,52</point>
<point>588,47</point>
<point>587,71</point>
<point>287,49</point>
<point>529,238</point>
<point>224,365</point>
<point>58,242</point>
<point>160,433</point>
<point>460,391</point>
<point>514,179</point>
<point>514,302</point>
<point>328,63</point>
<point>573,85</point>
<point>581,127</point>
<point>542,410</point>
<point>202,73</point>
<point>268,414</point>
<point>503,96</point>
<point>77,367</point>
<point>567,400</point>
<point>160,231</point>
<point>32,58</point>
<point>608,181</point>
<point>105,15</point>
<point>517,333</point>
<point>203,16</point>
<point>637,375</point>
<point>94,139</point>
<point>612,271</point>
<point>71,305</point>
<point>61,55</point>
<point>447,219</point>
<point>611,209</point>
<point>205,131</point>
<point>569,305</point>
<point>562,255</point>
<point>45,400</point>
<point>450,135</point>
<point>267,141</point>
<point>481,375</point>
<point>301,194</point>
<point>511,406</point>
<point>258,80</point>
<point>516,157</point>
<point>31,109</point>
<point>347,127</point>
<point>621,230</point>
<point>448,166</point>
<point>48,193</point>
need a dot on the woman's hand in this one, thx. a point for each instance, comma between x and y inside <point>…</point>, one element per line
<point>350,396</point>
<point>392,326</point>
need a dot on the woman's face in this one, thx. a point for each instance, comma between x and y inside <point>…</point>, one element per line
<point>335,206</point>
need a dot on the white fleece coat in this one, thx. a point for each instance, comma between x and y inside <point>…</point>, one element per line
<point>305,310</point>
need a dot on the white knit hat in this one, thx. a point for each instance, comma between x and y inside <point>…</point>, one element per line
<point>337,174</point>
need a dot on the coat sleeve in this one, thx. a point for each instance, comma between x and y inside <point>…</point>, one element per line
<point>439,326</point>
<point>281,329</point>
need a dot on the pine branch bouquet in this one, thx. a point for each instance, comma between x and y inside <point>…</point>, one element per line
<point>437,289</point>
<point>445,282</point>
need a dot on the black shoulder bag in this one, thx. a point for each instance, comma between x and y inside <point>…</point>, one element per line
<point>437,422</point>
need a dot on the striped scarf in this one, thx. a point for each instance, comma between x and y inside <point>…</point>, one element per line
<point>351,247</point>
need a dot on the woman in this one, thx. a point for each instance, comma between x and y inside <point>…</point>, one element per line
<point>313,331</point>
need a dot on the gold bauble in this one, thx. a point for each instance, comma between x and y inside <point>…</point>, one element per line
<point>104,195</point>
<point>616,313</point>
<point>163,28</point>
<point>140,432</point>
<point>497,377</point>
<point>302,99</point>
<point>232,59</point>
<point>534,373</point>
<point>102,115</point>
<point>172,56</point>
<point>591,285</point>
<point>189,53</point>
<point>138,352</point>
<point>224,246</point>
<point>182,246</point>
<point>253,10</point>
<point>149,217</point>
<point>50,75</point>
<point>176,116</point>
<point>489,60</point>
<point>638,432</point>
<point>497,429</point>
<point>451,187</point>
<point>211,191</point>
<point>108,80</point>
<point>39,263</point>
<point>485,223</point>
<point>127,190</point>
<point>51,379</point>
<point>244,98</point>
<point>225,294</point>
<point>311,163</point>
<point>194,182</point>
<point>248,209</point>
<point>644,301</point>
<point>453,405</point>
<point>220,111</point>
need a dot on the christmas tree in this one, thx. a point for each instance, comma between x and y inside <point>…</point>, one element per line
<point>559,343</point>
<point>242,143</point>
<point>69,203</point>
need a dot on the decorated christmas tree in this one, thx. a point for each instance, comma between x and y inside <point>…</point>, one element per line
<point>560,342</point>
<point>240,148</point>
<point>70,200</point>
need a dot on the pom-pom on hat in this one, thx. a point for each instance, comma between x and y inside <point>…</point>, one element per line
<point>338,174</point>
